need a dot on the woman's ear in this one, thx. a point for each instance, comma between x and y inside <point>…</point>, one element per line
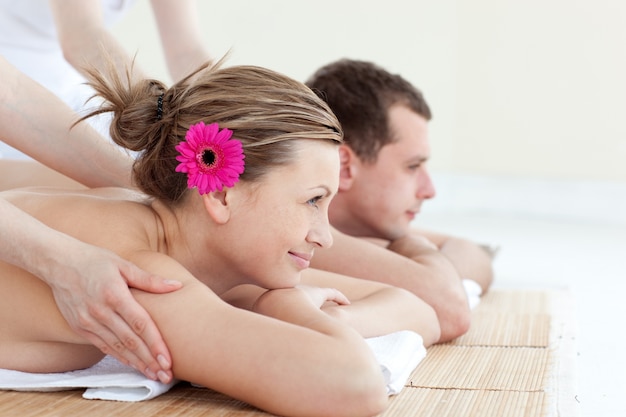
<point>348,168</point>
<point>216,204</point>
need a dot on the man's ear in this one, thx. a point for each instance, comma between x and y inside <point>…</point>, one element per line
<point>216,204</point>
<point>348,170</point>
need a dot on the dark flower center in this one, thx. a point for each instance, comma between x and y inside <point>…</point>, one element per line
<point>208,157</point>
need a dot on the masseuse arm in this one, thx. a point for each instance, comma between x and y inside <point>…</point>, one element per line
<point>84,37</point>
<point>36,122</point>
<point>181,37</point>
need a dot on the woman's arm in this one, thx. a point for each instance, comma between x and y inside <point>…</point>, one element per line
<point>36,122</point>
<point>376,309</point>
<point>291,359</point>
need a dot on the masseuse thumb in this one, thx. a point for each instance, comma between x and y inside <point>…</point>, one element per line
<point>138,278</point>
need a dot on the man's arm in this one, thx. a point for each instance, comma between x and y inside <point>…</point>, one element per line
<point>471,260</point>
<point>426,272</point>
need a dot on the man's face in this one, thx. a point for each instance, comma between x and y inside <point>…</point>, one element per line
<point>386,195</point>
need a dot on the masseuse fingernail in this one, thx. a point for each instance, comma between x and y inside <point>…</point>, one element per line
<point>165,364</point>
<point>150,374</point>
<point>163,377</point>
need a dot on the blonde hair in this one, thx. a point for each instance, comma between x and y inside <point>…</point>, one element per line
<point>265,110</point>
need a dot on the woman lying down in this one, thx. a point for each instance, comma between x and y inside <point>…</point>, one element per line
<point>238,166</point>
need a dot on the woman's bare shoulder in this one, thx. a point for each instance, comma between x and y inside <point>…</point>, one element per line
<point>105,217</point>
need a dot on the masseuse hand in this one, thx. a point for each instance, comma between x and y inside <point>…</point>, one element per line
<point>91,290</point>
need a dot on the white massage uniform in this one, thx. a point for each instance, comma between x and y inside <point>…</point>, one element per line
<point>28,40</point>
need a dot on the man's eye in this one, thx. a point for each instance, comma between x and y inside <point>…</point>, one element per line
<point>314,200</point>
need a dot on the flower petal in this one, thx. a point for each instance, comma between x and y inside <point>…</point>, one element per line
<point>229,157</point>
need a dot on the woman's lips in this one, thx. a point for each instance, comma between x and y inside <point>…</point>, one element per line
<point>303,260</point>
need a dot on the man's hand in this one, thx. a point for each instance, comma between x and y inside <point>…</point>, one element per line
<point>412,245</point>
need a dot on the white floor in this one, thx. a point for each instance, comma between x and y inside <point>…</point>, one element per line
<point>554,235</point>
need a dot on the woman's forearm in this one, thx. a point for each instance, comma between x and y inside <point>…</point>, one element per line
<point>294,305</point>
<point>421,269</point>
<point>386,311</point>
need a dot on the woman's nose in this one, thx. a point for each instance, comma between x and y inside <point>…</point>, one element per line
<point>320,234</point>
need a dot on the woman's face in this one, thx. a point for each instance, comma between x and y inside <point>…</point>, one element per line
<point>282,220</point>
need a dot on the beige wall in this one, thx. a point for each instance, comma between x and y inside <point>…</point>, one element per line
<point>530,88</point>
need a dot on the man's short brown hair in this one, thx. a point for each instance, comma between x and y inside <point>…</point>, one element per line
<point>360,94</point>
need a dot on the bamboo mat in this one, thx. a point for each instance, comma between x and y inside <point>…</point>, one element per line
<point>516,361</point>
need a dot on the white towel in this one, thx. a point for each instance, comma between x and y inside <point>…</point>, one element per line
<point>109,379</point>
<point>398,354</point>
<point>473,291</point>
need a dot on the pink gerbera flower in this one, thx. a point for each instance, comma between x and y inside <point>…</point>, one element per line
<point>211,159</point>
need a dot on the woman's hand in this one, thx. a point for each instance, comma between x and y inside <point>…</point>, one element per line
<point>320,296</point>
<point>299,305</point>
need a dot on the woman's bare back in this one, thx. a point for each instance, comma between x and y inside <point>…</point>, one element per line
<point>35,337</point>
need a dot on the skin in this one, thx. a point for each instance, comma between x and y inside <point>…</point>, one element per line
<point>90,284</point>
<point>377,202</point>
<point>381,199</point>
<point>36,122</point>
<point>80,26</point>
<point>108,317</point>
<point>320,363</point>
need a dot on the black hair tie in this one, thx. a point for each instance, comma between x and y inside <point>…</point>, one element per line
<point>160,107</point>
